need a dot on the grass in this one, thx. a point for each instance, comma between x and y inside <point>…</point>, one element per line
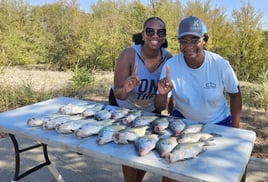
<point>19,87</point>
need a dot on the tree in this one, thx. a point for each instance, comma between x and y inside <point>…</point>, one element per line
<point>247,39</point>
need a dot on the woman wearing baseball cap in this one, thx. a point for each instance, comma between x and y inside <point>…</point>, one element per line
<point>196,79</point>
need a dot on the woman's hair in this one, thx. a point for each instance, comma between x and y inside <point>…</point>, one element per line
<point>153,18</point>
<point>205,37</point>
<point>137,37</point>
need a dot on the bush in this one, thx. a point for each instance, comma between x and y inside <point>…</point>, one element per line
<point>83,78</point>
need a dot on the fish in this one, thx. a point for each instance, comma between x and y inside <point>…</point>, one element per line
<point>160,124</point>
<point>196,137</point>
<point>146,143</point>
<point>143,120</point>
<point>102,114</point>
<point>75,108</point>
<point>131,116</point>
<point>71,125</point>
<point>119,113</point>
<point>38,121</point>
<point>177,125</point>
<point>185,151</point>
<point>193,128</point>
<point>91,111</point>
<point>165,145</point>
<point>92,128</point>
<point>105,135</point>
<point>129,134</point>
<point>54,121</point>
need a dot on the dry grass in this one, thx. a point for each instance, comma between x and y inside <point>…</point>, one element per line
<point>252,118</point>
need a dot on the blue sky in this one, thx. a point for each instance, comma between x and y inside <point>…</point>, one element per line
<point>229,5</point>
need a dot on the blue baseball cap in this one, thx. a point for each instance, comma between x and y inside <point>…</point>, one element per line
<point>192,26</point>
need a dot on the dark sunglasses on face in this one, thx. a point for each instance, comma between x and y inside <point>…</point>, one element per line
<point>160,32</point>
<point>191,42</point>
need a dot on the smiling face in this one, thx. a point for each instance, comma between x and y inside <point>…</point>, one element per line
<point>154,33</point>
<point>192,49</point>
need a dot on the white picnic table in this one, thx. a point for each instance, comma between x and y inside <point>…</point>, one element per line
<point>224,161</point>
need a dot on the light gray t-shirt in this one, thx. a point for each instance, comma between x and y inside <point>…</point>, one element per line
<point>199,93</point>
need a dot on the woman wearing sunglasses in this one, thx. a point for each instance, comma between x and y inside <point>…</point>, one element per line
<point>137,72</point>
<point>197,79</point>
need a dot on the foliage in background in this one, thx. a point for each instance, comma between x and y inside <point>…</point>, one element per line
<point>82,77</point>
<point>60,33</point>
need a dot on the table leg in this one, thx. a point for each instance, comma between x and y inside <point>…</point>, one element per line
<point>17,175</point>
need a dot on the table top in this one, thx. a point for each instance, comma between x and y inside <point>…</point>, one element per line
<point>228,157</point>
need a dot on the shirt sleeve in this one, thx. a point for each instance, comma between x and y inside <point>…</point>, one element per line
<point>230,80</point>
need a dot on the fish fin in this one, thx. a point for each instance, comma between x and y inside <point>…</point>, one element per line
<point>216,135</point>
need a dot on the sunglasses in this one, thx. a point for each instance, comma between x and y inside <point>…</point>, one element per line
<point>160,32</point>
<point>191,42</point>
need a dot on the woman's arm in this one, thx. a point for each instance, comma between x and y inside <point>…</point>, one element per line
<point>125,74</point>
<point>235,108</point>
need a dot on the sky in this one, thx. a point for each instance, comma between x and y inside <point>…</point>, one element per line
<point>228,5</point>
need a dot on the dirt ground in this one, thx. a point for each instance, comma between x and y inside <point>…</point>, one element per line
<point>252,119</point>
<point>257,120</point>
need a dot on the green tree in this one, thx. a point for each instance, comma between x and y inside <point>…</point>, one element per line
<point>247,39</point>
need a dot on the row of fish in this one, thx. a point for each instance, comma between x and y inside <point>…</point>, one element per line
<point>172,137</point>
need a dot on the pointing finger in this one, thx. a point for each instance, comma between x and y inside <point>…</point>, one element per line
<point>167,74</point>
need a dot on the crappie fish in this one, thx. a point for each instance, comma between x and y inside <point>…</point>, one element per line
<point>131,116</point>
<point>39,120</point>
<point>53,122</point>
<point>177,125</point>
<point>91,111</point>
<point>143,120</point>
<point>119,113</point>
<point>146,143</point>
<point>105,135</point>
<point>165,145</point>
<point>185,151</point>
<point>193,128</point>
<point>75,108</point>
<point>102,114</point>
<point>196,137</point>
<point>160,124</point>
<point>71,125</point>
<point>129,134</point>
<point>92,128</point>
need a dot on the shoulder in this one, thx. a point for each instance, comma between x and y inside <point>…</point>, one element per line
<point>169,55</point>
<point>217,61</point>
<point>127,53</point>
<point>173,59</point>
<point>214,57</point>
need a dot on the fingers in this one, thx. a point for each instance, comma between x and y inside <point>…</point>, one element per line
<point>167,74</point>
<point>165,83</point>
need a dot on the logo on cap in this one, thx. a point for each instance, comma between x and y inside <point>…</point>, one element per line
<point>195,25</point>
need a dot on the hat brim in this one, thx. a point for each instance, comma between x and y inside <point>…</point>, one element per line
<point>190,33</point>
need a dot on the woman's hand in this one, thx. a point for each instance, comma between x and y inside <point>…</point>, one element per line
<point>165,85</point>
<point>132,81</point>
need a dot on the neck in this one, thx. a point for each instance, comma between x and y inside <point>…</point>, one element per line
<point>150,53</point>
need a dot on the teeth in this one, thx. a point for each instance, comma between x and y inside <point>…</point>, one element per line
<point>154,42</point>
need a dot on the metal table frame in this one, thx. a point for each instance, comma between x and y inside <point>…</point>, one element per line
<point>18,151</point>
